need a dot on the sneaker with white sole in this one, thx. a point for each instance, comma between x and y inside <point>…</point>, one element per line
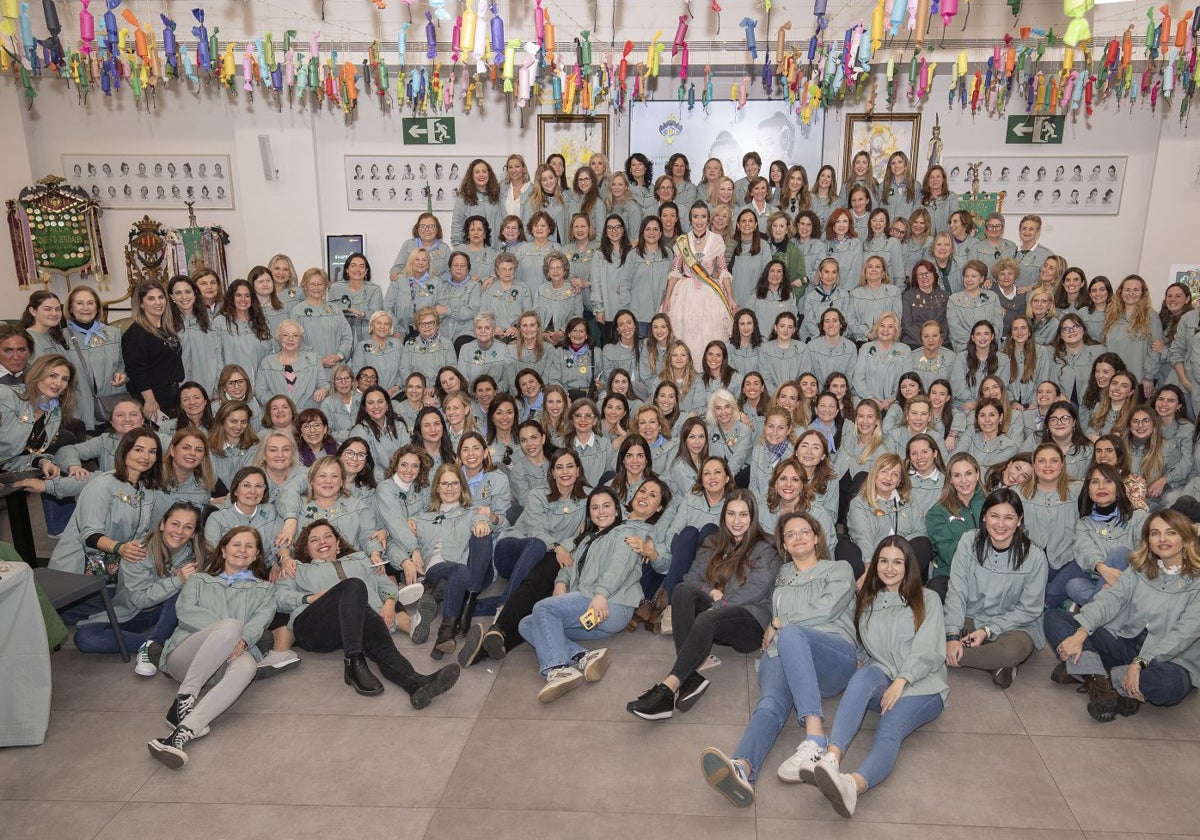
<point>558,682</point>
<point>727,777</point>
<point>839,788</point>
<point>690,690</point>
<point>655,703</point>
<point>427,607</point>
<point>409,595</point>
<point>594,664</point>
<point>798,767</point>
<point>146,662</point>
<point>276,662</point>
<point>169,750</point>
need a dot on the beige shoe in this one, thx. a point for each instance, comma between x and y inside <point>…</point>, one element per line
<point>558,682</point>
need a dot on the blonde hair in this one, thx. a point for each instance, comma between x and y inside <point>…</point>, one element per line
<point>888,460</point>
<point>1139,318</point>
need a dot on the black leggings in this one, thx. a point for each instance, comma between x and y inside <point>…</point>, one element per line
<point>538,584</point>
<point>697,626</point>
<point>342,619</point>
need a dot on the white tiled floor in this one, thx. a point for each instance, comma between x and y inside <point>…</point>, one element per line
<point>303,756</point>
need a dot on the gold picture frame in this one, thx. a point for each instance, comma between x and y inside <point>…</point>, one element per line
<point>880,135</point>
<point>574,136</point>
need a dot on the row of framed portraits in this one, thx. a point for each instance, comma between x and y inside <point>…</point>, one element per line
<point>406,182</point>
<point>1066,185</point>
<point>153,181</point>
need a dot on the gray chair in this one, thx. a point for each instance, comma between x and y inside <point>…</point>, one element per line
<point>66,588</point>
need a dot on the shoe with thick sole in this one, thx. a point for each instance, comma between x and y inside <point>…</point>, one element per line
<point>493,644</point>
<point>1003,677</point>
<point>799,766</point>
<point>409,595</point>
<point>427,610</point>
<point>275,662</point>
<point>558,682</point>
<point>690,692</point>
<point>655,703</point>
<point>437,683</point>
<point>169,750</point>
<point>726,777</point>
<point>472,647</point>
<point>1059,675</point>
<point>594,664</point>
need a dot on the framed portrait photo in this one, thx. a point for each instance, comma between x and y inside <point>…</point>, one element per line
<point>880,135</point>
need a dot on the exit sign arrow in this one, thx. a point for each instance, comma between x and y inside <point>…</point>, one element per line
<point>1035,129</point>
<point>431,131</point>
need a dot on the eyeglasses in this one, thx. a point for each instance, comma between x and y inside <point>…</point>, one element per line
<point>1141,421</point>
<point>352,455</point>
<point>582,416</point>
<point>449,485</point>
<point>1070,328</point>
<point>614,227</point>
<point>994,227</point>
<point>796,533</point>
<point>1061,420</point>
<point>312,427</point>
<point>237,382</point>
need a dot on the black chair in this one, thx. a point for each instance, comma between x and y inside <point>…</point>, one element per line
<point>66,588</point>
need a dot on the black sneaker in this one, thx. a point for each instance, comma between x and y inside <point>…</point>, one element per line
<point>180,708</point>
<point>1003,677</point>
<point>690,691</point>
<point>657,703</point>
<point>427,608</point>
<point>169,750</point>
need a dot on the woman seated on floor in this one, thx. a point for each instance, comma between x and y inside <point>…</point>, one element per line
<point>222,613</point>
<point>1137,641</point>
<point>808,654</point>
<point>724,598</point>
<point>147,589</point>
<point>595,595</point>
<point>338,601</point>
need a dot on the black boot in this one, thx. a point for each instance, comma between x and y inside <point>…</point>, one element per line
<point>358,674</point>
<point>434,684</point>
<point>445,638</point>
<point>467,613</point>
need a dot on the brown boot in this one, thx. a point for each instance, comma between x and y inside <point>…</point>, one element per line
<point>1102,697</point>
<point>657,605</point>
<point>640,615</point>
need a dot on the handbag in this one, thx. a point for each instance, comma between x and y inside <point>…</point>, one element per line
<point>102,406</point>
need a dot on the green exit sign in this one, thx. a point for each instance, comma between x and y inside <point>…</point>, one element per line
<point>432,131</point>
<point>1031,129</point>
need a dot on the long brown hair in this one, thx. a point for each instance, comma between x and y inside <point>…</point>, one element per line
<point>1145,561</point>
<point>911,590</point>
<point>730,558</point>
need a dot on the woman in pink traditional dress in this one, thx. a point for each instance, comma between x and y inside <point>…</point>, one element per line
<point>699,297</point>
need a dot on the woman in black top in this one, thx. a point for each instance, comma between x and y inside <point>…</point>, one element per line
<point>152,353</point>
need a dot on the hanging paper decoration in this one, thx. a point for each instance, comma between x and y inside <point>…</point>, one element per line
<point>1078,29</point>
<point>751,43</point>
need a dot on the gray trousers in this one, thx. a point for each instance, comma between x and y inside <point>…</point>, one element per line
<point>1010,648</point>
<point>201,656</point>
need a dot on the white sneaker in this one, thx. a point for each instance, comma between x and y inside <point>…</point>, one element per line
<point>594,664</point>
<point>664,624</point>
<point>727,777</point>
<point>146,662</point>
<point>558,682</point>
<point>410,594</point>
<point>798,767</point>
<point>276,662</point>
<point>839,788</point>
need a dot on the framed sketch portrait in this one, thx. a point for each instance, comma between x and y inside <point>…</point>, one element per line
<point>575,137</point>
<point>1046,184</point>
<point>879,135</point>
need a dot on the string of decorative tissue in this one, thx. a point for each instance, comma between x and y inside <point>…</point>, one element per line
<point>484,63</point>
<point>55,227</point>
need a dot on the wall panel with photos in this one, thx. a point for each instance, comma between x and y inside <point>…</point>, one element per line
<point>406,182</point>
<point>153,181</point>
<point>1083,186</point>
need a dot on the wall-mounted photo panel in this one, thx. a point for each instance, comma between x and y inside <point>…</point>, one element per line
<point>153,181</point>
<point>1067,186</point>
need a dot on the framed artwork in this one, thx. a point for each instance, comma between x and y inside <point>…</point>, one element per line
<point>406,182</point>
<point>338,248</point>
<point>1189,275</point>
<point>1065,186</point>
<point>153,181</point>
<point>879,135</point>
<point>724,131</point>
<point>575,137</point>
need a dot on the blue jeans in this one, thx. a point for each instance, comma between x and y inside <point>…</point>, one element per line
<point>553,628</point>
<point>910,713</point>
<point>514,560</point>
<point>1084,588</point>
<point>58,513</point>
<point>473,576</point>
<point>1058,583</point>
<point>1162,683</point>
<point>810,665</point>
<point>155,624</point>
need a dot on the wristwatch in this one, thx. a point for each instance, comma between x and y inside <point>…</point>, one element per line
<point>1142,662</point>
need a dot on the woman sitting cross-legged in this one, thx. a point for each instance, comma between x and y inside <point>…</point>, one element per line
<point>903,673</point>
<point>596,594</point>
<point>222,613</point>
<point>1138,640</point>
<point>809,654</point>
<point>336,600</point>
<point>147,589</point>
<point>725,598</point>
<point>997,585</point>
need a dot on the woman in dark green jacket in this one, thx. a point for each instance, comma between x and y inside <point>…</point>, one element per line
<point>957,511</point>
